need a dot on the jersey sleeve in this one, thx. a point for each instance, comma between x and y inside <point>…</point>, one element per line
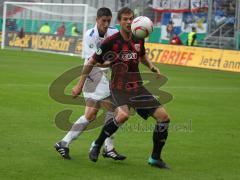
<point>89,47</point>
<point>101,55</point>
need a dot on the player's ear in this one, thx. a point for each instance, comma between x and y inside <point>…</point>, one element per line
<point>119,19</point>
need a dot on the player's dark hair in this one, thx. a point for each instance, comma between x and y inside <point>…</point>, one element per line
<point>124,10</point>
<point>103,11</point>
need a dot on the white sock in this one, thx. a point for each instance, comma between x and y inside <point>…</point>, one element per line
<point>78,127</point>
<point>109,144</point>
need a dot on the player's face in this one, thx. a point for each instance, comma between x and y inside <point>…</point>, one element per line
<point>103,23</point>
<point>126,21</point>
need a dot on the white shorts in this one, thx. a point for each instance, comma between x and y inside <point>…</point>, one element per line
<point>96,86</point>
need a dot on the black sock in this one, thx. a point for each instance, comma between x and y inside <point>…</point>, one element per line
<point>160,134</point>
<point>108,129</point>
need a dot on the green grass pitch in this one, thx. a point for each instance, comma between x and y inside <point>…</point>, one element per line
<point>203,141</point>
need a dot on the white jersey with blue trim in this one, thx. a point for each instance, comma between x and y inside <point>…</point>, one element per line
<point>96,85</point>
<point>92,41</point>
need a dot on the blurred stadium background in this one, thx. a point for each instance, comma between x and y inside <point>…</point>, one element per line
<point>217,22</point>
<point>204,133</point>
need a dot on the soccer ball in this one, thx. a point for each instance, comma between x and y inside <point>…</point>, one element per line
<point>141,27</point>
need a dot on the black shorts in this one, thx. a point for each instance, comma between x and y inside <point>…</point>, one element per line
<point>140,99</point>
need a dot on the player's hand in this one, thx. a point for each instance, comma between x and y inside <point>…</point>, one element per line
<point>157,71</point>
<point>107,64</point>
<point>76,91</point>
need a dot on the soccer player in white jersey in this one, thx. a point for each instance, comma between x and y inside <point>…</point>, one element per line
<point>96,89</point>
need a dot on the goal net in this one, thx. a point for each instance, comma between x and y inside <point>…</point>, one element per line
<point>51,27</point>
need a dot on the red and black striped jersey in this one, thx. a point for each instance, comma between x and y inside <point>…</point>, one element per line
<point>124,57</point>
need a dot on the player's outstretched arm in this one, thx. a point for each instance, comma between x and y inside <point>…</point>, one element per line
<point>145,60</point>
<point>87,68</point>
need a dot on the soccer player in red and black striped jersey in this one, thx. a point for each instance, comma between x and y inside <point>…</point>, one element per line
<point>123,52</point>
